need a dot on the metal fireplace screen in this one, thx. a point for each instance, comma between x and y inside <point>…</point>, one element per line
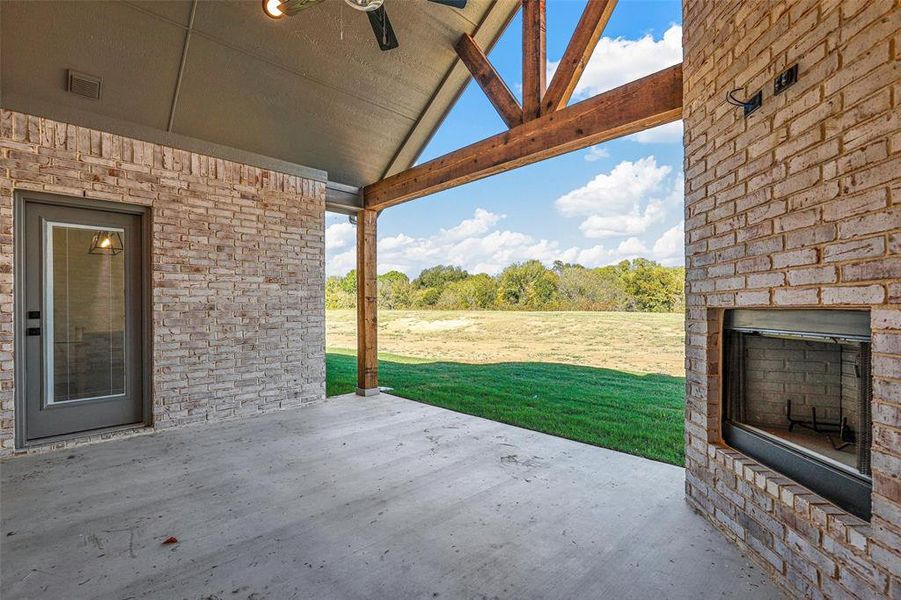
<point>798,397</point>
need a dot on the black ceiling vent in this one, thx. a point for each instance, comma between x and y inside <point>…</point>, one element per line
<point>87,86</point>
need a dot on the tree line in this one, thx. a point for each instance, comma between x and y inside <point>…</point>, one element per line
<point>636,285</point>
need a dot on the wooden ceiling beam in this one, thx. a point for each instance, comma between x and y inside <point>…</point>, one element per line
<point>488,79</point>
<point>534,57</point>
<point>578,52</point>
<point>635,106</point>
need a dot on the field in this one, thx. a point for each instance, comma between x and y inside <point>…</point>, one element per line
<point>634,342</point>
<point>610,379</point>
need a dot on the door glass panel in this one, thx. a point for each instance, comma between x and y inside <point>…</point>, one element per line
<point>85,296</point>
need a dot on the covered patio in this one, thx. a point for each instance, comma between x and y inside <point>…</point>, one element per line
<point>384,498</point>
<point>191,149</point>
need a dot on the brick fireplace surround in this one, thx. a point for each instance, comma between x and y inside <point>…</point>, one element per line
<point>795,206</point>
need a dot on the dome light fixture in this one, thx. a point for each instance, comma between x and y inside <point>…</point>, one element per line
<point>272,9</point>
<point>365,5</point>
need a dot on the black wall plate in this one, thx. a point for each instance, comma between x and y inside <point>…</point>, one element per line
<point>785,79</point>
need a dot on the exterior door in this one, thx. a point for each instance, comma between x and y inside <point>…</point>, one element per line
<point>83,319</point>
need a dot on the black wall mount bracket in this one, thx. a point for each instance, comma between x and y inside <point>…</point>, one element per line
<point>749,105</point>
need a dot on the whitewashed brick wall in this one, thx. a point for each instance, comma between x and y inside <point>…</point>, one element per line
<point>237,267</point>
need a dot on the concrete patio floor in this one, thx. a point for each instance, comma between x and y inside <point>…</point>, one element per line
<point>358,498</point>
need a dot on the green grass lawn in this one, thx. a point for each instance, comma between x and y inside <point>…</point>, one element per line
<point>641,414</point>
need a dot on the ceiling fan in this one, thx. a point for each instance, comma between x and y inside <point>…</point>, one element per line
<point>374,9</point>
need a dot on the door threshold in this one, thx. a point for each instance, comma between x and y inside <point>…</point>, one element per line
<point>83,438</point>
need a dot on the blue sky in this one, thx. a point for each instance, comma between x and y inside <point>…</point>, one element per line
<point>621,199</point>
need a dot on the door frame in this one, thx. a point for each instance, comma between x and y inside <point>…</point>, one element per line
<point>20,198</point>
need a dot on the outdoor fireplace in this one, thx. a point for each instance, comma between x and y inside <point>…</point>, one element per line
<point>797,395</point>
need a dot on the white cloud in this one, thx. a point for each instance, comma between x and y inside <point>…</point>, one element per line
<point>670,133</point>
<point>599,256</point>
<point>481,222</point>
<point>615,192</point>
<point>600,226</point>
<point>594,256</point>
<point>341,263</point>
<point>487,249</point>
<point>616,61</point>
<point>632,247</point>
<point>627,201</point>
<point>340,247</point>
<point>339,235</point>
<point>596,153</point>
<point>482,251</point>
<point>670,247</point>
<point>630,202</point>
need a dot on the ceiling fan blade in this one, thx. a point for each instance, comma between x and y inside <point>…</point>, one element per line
<point>382,29</point>
<point>292,7</point>
<point>451,3</point>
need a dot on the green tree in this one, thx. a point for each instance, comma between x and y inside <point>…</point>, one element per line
<point>653,287</point>
<point>425,297</point>
<point>435,279</point>
<point>395,291</point>
<point>527,285</point>
<point>439,276</point>
<point>349,282</point>
<point>478,292</point>
<point>638,285</point>
<point>591,289</point>
<point>678,274</point>
<point>337,294</point>
<point>560,266</point>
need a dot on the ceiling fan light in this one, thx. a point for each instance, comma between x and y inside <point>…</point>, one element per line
<point>272,10</point>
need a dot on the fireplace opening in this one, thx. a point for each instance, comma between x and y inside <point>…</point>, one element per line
<point>797,397</point>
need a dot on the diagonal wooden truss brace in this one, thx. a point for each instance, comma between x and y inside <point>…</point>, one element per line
<point>488,79</point>
<point>578,51</point>
<point>635,106</point>
<point>537,99</point>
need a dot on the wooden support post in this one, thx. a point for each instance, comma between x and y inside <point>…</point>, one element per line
<point>367,305</point>
<point>486,76</point>
<point>534,57</point>
<point>578,52</point>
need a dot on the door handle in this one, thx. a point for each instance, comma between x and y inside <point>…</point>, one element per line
<point>33,331</point>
